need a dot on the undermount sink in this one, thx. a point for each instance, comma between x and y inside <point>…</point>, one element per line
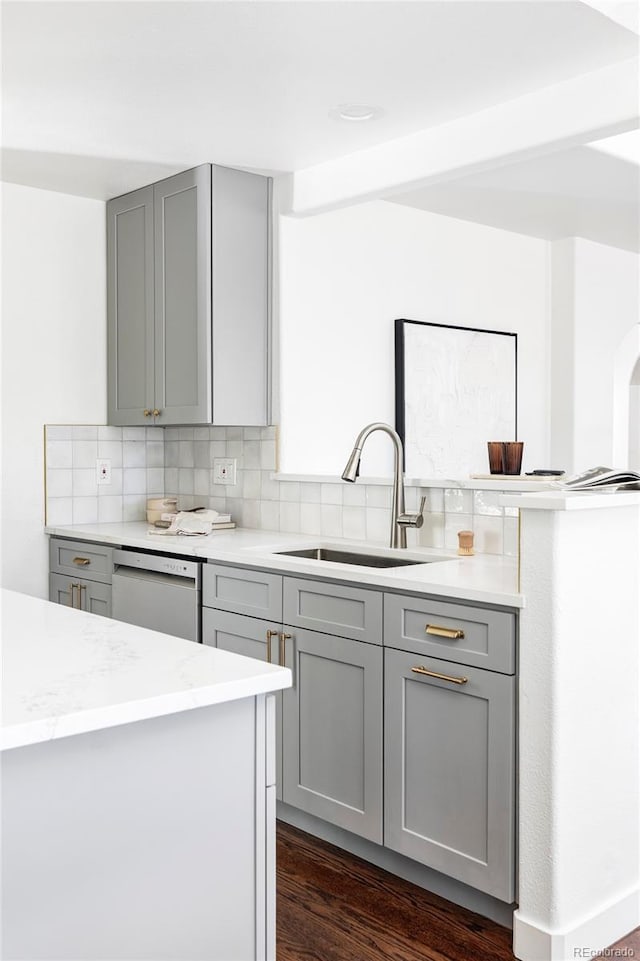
<point>334,556</point>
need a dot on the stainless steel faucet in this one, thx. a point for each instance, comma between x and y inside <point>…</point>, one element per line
<point>399,519</point>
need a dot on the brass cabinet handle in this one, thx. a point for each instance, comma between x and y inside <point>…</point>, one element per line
<point>146,412</point>
<point>283,640</point>
<point>440,677</point>
<point>156,412</point>
<point>452,633</point>
<point>270,634</point>
<point>81,561</point>
<point>72,588</point>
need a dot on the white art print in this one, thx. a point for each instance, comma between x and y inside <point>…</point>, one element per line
<point>455,390</point>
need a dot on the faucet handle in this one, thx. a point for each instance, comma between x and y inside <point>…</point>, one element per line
<point>414,520</point>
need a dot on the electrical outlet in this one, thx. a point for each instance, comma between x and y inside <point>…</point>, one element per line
<point>224,470</point>
<point>103,470</point>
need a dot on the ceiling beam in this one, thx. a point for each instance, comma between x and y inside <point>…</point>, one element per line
<point>589,107</point>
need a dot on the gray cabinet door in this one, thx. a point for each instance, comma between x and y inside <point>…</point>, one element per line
<point>332,731</point>
<point>130,312</point>
<point>90,596</point>
<point>449,770</point>
<point>182,227</point>
<point>250,637</point>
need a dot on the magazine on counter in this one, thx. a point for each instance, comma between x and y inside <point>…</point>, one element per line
<point>597,478</point>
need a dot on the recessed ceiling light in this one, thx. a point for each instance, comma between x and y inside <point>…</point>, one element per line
<point>356,112</point>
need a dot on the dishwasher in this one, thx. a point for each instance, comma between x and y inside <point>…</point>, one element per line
<point>158,591</point>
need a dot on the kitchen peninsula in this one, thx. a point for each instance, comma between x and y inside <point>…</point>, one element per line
<point>138,798</point>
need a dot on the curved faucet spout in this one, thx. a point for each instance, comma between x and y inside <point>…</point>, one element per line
<point>398,537</point>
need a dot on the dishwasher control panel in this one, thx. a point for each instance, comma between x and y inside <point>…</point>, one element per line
<point>159,563</point>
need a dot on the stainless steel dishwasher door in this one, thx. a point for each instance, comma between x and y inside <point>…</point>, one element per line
<point>157,591</point>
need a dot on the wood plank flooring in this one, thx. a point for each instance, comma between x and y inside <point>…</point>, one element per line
<point>333,906</point>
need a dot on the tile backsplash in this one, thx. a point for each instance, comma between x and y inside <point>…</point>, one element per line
<point>154,460</point>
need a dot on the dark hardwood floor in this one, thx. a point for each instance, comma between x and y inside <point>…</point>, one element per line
<point>333,906</point>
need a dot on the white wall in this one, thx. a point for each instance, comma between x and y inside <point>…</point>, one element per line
<point>345,276</point>
<point>53,354</point>
<point>595,308</point>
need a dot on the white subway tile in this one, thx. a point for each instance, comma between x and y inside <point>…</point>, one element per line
<point>270,515</point>
<point>186,433</point>
<point>252,433</point>
<point>458,501</point>
<point>134,507</point>
<point>110,509</point>
<point>354,495</point>
<point>171,434</point>
<point>331,493</point>
<point>310,493</point>
<point>171,453</point>
<point>85,483</point>
<point>234,433</point>
<point>58,432</point>
<point>251,454</point>
<point>59,454</point>
<point>185,481</point>
<point>269,488</point>
<point>379,496</point>
<point>218,433</point>
<point>171,481</point>
<point>431,534</point>
<point>134,455</point>
<point>217,448</point>
<point>488,534</point>
<point>155,481</point>
<point>112,450</point>
<point>186,456</point>
<point>59,510</point>
<point>201,481</point>
<point>134,480</point>
<point>290,517</point>
<point>454,523</point>
<point>486,502</point>
<point>201,433</point>
<point>154,434</point>
<point>290,491</point>
<point>251,514</point>
<point>219,504</point>
<point>234,449</point>
<point>378,524</point>
<point>85,432</point>
<point>354,523</point>
<point>59,483</point>
<point>251,484</point>
<point>133,433</point>
<point>113,434</point>
<point>155,454</point>
<point>510,542</point>
<point>435,499</point>
<point>310,519</point>
<point>331,520</point>
<point>85,510</point>
<point>84,453</point>
<point>268,454</point>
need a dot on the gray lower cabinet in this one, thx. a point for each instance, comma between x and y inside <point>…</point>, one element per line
<point>250,637</point>
<point>91,596</point>
<point>450,769</point>
<point>80,575</point>
<point>188,300</point>
<point>332,731</point>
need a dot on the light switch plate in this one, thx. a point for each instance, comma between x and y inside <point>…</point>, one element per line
<point>224,470</point>
<point>103,470</point>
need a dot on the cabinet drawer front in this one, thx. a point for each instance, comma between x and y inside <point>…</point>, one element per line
<point>333,609</point>
<point>453,632</point>
<point>79,559</point>
<point>332,731</point>
<point>449,770</point>
<point>241,634</point>
<point>84,595</point>
<point>242,591</point>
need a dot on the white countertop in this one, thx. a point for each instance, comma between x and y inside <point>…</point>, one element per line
<point>68,672</point>
<point>585,500</point>
<point>490,579</point>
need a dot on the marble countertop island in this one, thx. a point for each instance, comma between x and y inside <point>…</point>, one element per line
<point>67,672</point>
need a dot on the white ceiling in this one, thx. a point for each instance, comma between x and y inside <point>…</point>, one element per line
<point>102,97</point>
<point>590,192</point>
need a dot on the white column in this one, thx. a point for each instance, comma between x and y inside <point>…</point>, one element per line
<point>579,735</point>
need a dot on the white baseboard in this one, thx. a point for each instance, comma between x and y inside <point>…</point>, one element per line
<point>531,942</point>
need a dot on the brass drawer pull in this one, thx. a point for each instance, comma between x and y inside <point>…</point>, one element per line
<point>283,640</point>
<point>453,633</point>
<point>440,677</point>
<point>270,634</point>
<point>81,561</point>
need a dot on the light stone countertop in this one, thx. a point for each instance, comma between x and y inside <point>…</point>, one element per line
<point>484,578</point>
<point>67,672</point>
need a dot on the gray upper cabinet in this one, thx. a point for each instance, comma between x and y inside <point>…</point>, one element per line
<point>189,300</point>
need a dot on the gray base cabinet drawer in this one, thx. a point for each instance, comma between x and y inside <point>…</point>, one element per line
<point>449,770</point>
<point>333,609</point>
<point>80,559</point>
<point>453,632</point>
<point>242,591</point>
<point>91,596</point>
<point>332,731</point>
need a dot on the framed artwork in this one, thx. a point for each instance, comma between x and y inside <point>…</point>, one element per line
<point>456,389</point>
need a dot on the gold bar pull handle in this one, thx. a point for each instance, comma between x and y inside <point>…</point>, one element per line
<point>81,561</point>
<point>453,633</point>
<point>283,641</point>
<point>72,591</point>
<point>270,635</point>
<point>439,677</point>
